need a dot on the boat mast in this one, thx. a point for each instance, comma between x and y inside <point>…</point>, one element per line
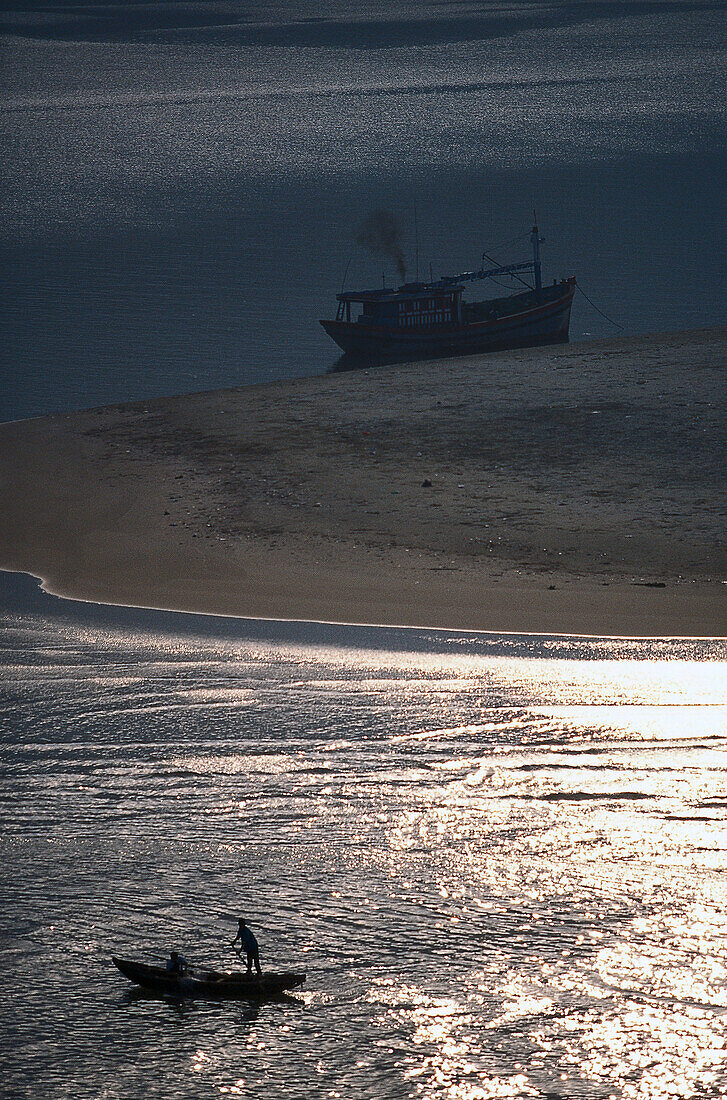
<point>536,240</point>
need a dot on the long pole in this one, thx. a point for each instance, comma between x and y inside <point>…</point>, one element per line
<point>343,282</point>
<point>536,241</point>
<point>416,239</point>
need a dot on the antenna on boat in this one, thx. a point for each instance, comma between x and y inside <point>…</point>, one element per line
<point>343,281</point>
<point>416,239</point>
<point>536,240</point>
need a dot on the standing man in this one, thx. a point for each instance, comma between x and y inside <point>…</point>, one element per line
<point>248,944</point>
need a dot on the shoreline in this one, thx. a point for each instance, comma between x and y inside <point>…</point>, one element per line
<point>565,490</point>
<point>41,590</point>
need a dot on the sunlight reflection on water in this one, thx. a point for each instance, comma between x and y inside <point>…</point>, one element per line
<point>504,873</point>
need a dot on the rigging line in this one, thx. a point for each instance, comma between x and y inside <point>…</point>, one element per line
<point>512,276</point>
<point>609,319</point>
<point>513,240</point>
<point>506,286</point>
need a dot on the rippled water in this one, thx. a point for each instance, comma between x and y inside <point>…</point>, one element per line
<point>500,860</point>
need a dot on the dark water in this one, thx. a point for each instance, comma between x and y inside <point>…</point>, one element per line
<point>182,183</point>
<point>500,860</point>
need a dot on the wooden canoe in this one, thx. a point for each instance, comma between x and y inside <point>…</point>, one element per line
<point>209,983</point>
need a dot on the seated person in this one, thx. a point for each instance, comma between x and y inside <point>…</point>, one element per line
<point>176,964</point>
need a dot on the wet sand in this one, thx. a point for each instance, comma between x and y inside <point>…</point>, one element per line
<point>572,489</point>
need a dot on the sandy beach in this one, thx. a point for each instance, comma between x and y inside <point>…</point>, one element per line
<point>572,489</point>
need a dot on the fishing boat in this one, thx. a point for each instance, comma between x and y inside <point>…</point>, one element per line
<point>420,320</point>
<point>209,983</point>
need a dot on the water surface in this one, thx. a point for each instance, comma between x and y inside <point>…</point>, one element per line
<point>499,859</point>
<point>182,187</point>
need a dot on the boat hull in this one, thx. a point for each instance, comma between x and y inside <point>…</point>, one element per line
<point>209,983</point>
<point>532,319</point>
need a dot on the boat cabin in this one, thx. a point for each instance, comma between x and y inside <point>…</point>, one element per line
<point>412,306</point>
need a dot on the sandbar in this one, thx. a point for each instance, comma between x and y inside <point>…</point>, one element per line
<point>573,489</point>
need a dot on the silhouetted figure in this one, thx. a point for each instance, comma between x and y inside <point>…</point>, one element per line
<point>176,964</point>
<point>248,944</point>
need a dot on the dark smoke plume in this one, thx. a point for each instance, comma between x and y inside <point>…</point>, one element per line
<point>380,234</point>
